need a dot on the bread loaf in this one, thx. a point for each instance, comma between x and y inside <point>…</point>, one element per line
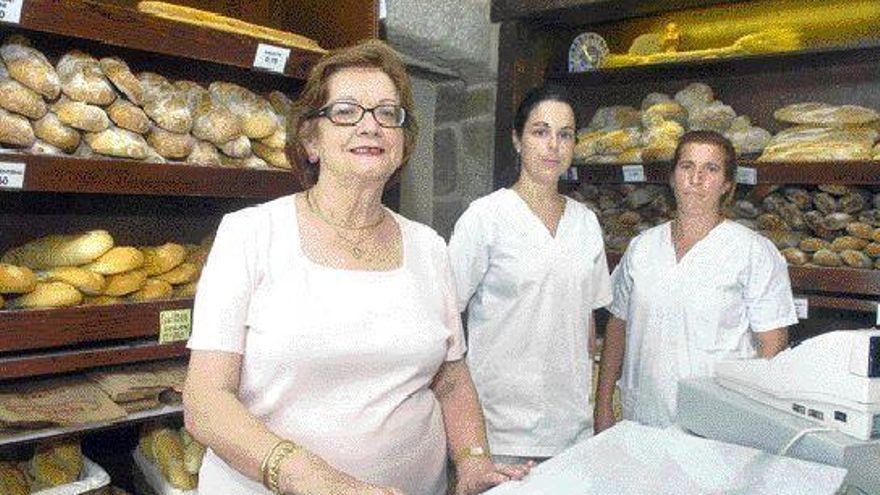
<point>61,250</point>
<point>273,156</point>
<point>48,295</point>
<point>30,67</point>
<point>185,290</point>
<point>154,85</point>
<point>56,464</point>
<point>101,300</point>
<point>169,110</point>
<point>87,282</point>
<point>181,274</point>
<point>117,260</point>
<point>615,117</point>
<point>695,95</point>
<point>251,161</point>
<point>152,290</point>
<point>161,259</point>
<point>16,279</point>
<point>669,110</point>
<point>51,130</point>
<point>825,115</point>
<point>12,480</point>
<point>280,103</point>
<point>715,116</point>
<point>213,122</point>
<point>117,142</point>
<point>81,115</point>
<point>169,455</point>
<point>122,284</point>
<point>198,255</point>
<point>82,79</point>
<point>128,116</point>
<point>239,147</point>
<point>170,144</point>
<point>41,147</point>
<point>18,98</point>
<point>120,75</point>
<point>204,153</point>
<point>15,130</point>
<point>277,139</point>
<point>256,117</point>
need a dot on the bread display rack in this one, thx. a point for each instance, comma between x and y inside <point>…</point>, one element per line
<point>534,43</point>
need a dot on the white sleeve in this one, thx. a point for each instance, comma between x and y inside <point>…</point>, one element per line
<point>768,296</point>
<point>468,255</point>
<point>622,283</point>
<point>225,287</point>
<point>601,282</point>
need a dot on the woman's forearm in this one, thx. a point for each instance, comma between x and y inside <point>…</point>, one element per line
<point>465,425</point>
<point>613,347</point>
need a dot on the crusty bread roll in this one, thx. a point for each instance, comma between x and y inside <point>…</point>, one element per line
<point>51,130</point>
<point>255,114</point>
<point>170,144</point>
<point>239,147</point>
<point>12,480</point>
<point>251,161</point>
<point>15,130</point>
<point>180,274</point>
<point>16,279</point>
<point>280,103</point>
<point>214,122</point>
<point>30,67</point>
<point>121,284</point>
<point>277,139</point>
<point>87,282</point>
<point>273,156</point>
<point>204,153</point>
<point>48,295</point>
<point>153,289</point>
<point>41,147</point>
<point>20,99</point>
<point>120,75</point>
<point>129,116</point>
<point>82,79</point>
<point>117,142</point>
<point>61,250</point>
<point>81,115</point>
<point>101,300</point>
<point>160,259</point>
<point>185,290</point>
<point>117,260</point>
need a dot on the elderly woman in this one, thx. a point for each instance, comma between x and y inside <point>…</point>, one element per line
<point>530,268</point>
<point>327,347</point>
<point>691,292</point>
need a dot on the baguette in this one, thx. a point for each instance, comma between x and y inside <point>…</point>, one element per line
<point>60,250</point>
<point>117,260</point>
<point>48,295</point>
<point>16,279</point>
<point>87,282</point>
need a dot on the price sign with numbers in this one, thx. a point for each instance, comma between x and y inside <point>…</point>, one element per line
<point>802,307</point>
<point>11,175</point>
<point>633,173</point>
<point>747,176</point>
<point>174,325</point>
<point>10,11</point>
<point>271,58</point>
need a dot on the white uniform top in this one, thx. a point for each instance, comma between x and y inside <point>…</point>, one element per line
<point>339,361</point>
<point>531,298</point>
<point>683,317</point>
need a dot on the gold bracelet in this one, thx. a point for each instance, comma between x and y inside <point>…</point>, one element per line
<point>265,462</point>
<point>271,469</point>
<point>470,452</point>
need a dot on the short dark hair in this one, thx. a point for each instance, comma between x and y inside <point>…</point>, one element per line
<point>533,98</point>
<point>715,139</point>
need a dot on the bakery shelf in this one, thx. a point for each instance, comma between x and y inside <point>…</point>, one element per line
<point>24,437</point>
<point>114,176</point>
<point>578,12</point>
<point>63,361</point>
<point>830,172</point>
<point>126,27</point>
<point>22,330</point>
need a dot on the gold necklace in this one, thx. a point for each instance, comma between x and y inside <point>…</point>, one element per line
<point>352,245</point>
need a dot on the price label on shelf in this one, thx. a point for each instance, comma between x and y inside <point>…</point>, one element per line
<point>878,315</point>
<point>802,307</point>
<point>174,325</point>
<point>271,58</point>
<point>747,176</point>
<point>11,175</point>
<point>10,11</point>
<point>633,173</point>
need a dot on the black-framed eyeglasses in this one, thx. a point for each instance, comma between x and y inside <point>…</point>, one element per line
<point>348,114</point>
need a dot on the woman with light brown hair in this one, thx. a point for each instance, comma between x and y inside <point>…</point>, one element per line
<point>327,347</point>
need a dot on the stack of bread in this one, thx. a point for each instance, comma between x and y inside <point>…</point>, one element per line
<point>66,270</point>
<point>87,107</point>
<point>177,455</point>
<point>824,132</point>
<point>53,464</point>
<point>623,134</point>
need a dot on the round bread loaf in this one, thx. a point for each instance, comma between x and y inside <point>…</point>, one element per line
<point>61,250</point>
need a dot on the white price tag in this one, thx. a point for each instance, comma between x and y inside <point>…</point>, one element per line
<point>271,58</point>
<point>10,11</point>
<point>747,176</point>
<point>633,173</point>
<point>11,175</point>
<point>802,307</point>
<point>571,173</point>
<point>878,316</point>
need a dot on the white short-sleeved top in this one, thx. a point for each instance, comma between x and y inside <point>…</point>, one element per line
<point>530,297</point>
<point>339,361</point>
<point>684,316</point>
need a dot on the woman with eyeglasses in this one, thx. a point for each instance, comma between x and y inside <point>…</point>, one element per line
<point>530,269</point>
<point>327,347</point>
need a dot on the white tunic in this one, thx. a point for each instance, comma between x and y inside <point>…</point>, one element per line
<point>339,361</point>
<point>683,317</point>
<point>530,297</point>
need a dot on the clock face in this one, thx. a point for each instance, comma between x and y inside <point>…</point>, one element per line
<point>586,52</point>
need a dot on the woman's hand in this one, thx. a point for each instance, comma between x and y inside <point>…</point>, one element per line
<point>479,474</point>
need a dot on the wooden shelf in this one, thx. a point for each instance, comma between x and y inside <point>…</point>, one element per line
<point>849,172</point>
<point>24,437</point>
<point>578,12</point>
<point>126,27</point>
<point>113,176</point>
<point>64,361</point>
